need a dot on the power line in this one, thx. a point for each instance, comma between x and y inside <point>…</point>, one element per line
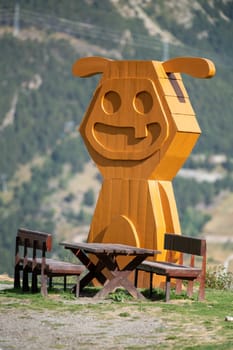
<point>16,19</point>
<point>87,31</point>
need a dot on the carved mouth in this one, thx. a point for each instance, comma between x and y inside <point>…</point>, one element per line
<point>116,142</point>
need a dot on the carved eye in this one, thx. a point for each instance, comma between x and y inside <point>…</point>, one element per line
<point>111,102</point>
<point>143,102</point>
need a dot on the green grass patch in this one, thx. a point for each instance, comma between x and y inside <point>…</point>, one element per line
<point>185,322</point>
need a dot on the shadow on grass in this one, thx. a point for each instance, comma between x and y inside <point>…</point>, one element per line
<point>157,294</point>
<point>119,295</point>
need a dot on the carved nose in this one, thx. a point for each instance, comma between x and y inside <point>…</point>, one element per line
<point>140,131</point>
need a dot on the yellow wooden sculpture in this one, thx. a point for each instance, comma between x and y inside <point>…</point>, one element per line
<point>139,129</point>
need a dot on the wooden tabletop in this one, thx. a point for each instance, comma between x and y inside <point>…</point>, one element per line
<point>110,248</point>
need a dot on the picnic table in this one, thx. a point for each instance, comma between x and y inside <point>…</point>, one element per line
<point>106,258</point>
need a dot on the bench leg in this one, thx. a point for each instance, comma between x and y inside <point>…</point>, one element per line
<point>17,277</point>
<point>65,282</point>
<point>77,287</point>
<point>151,283</point>
<point>190,288</point>
<point>201,294</point>
<point>178,286</point>
<point>25,279</point>
<point>34,282</point>
<point>136,278</point>
<point>168,288</point>
<point>44,290</point>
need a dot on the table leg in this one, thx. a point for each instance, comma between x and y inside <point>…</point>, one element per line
<point>94,269</point>
<point>137,260</point>
<point>94,272</point>
<point>119,279</point>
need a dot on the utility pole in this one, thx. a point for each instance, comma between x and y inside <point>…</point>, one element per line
<point>3,178</point>
<point>16,18</point>
<point>165,49</point>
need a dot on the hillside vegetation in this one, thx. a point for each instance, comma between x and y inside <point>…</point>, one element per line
<point>42,104</point>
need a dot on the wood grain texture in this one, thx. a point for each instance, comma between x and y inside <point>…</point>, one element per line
<point>139,129</point>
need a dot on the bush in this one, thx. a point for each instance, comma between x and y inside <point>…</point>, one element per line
<point>89,197</point>
<point>83,217</point>
<point>219,278</point>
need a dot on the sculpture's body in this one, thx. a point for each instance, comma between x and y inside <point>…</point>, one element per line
<point>139,130</point>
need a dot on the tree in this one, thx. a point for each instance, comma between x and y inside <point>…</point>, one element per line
<point>89,197</point>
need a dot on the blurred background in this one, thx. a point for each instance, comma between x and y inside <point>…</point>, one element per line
<point>47,180</point>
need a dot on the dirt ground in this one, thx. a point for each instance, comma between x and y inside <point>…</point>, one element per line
<point>86,323</point>
<point>111,328</point>
<point>51,330</point>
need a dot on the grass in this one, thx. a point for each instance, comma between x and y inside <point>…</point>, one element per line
<point>189,324</point>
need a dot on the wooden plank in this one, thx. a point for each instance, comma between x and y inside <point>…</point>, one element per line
<point>109,248</point>
<point>34,242</point>
<point>169,268</point>
<point>31,236</point>
<point>183,244</point>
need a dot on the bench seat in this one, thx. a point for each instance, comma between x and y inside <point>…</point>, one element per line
<point>53,265</point>
<point>173,270</point>
<point>35,245</point>
<point>184,245</point>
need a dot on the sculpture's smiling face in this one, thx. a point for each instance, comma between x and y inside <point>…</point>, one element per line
<point>140,123</point>
<point>126,120</point>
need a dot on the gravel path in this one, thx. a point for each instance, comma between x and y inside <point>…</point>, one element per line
<point>113,327</point>
<point>85,323</point>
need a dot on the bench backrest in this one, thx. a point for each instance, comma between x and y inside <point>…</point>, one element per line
<point>30,244</point>
<point>34,239</point>
<point>185,244</point>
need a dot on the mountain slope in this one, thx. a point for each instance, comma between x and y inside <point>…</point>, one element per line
<point>42,155</point>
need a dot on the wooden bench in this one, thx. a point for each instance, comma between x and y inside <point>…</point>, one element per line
<point>34,245</point>
<point>184,245</point>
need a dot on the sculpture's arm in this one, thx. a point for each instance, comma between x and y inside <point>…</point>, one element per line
<point>194,66</point>
<point>88,66</point>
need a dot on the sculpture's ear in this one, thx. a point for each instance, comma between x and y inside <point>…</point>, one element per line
<point>194,66</point>
<point>87,66</point>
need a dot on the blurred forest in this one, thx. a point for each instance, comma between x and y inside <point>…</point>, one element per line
<point>42,104</point>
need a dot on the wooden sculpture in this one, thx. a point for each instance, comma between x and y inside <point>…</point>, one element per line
<point>139,129</point>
